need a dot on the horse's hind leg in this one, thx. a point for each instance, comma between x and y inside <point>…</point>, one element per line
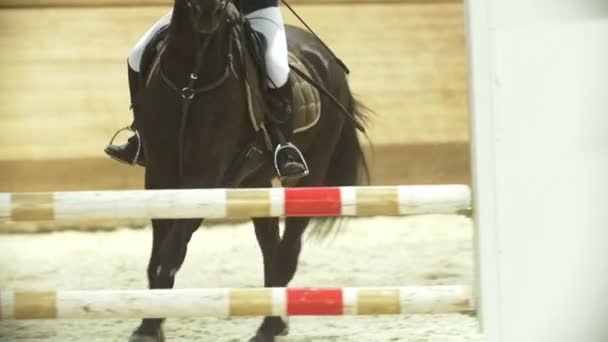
<point>169,246</point>
<point>279,265</point>
<point>281,255</point>
<point>321,155</point>
<point>290,247</point>
<point>267,234</point>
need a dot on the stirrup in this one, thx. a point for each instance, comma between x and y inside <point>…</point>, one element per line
<point>286,146</point>
<point>134,131</point>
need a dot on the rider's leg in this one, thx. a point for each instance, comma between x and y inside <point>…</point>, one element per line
<point>138,50</point>
<point>265,17</point>
<point>127,153</point>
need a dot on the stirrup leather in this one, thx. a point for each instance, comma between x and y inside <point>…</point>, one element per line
<point>276,162</point>
<point>134,131</point>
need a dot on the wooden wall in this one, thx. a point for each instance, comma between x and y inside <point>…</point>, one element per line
<point>64,89</point>
<point>131,3</point>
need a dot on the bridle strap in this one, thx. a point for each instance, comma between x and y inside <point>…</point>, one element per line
<point>189,92</point>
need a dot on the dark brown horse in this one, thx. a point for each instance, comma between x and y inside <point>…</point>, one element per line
<point>194,123</point>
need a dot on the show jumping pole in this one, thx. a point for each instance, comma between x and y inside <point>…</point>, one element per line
<point>235,203</point>
<point>225,303</point>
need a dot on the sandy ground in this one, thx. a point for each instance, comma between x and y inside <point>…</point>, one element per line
<point>370,252</point>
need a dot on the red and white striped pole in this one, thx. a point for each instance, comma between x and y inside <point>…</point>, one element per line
<point>235,203</point>
<point>224,303</point>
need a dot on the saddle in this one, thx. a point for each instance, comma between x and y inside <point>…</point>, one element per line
<point>306,104</point>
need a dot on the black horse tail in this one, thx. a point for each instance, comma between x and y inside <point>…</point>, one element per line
<point>347,167</point>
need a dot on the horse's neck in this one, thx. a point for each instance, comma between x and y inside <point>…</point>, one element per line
<point>180,51</point>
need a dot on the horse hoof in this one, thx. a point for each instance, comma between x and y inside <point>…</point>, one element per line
<point>264,336</point>
<point>142,338</point>
<point>135,337</point>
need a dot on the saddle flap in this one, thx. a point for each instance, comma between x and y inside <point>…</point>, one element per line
<point>306,98</point>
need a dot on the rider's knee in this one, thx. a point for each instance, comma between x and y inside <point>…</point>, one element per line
<point>278,71</point>
<point>137,51</point>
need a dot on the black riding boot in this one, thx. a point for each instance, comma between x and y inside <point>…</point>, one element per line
<point>289,161</point>
<point>132,152</point>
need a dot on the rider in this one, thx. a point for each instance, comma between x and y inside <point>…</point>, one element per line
<point>265,18</point>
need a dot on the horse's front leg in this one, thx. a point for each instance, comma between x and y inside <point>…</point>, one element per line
<point>267,233</point>
<point>169,247</point>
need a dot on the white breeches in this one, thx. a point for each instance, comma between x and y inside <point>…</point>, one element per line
<point>268,21</point>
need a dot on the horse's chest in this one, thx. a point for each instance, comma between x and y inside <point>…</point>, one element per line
<point>209,119</point>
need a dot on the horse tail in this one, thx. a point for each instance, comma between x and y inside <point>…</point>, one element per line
<point>347,167</point>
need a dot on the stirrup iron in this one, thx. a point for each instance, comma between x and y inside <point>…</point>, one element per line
<point>134,131</point>
<point>285,146</point>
